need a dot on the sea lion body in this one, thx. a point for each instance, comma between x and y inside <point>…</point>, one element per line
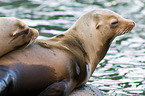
<point>14,33</point>
<point>55,66</point>
<point>28,67</point>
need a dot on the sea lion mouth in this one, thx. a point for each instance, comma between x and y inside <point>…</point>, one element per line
<point>24,32</point>
<point>125,30</point>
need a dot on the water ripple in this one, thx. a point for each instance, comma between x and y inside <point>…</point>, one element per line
<point>121,72</point>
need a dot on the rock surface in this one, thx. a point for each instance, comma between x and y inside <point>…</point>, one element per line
<point>87,90</point>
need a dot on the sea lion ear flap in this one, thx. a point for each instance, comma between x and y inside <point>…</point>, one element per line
<point>97,27</point>
<point>97,19</point>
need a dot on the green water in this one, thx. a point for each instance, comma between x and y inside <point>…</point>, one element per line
<point>122,71</point>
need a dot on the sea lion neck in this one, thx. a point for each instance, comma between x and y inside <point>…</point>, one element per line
<point>74,44</point>
<point>94,49</point>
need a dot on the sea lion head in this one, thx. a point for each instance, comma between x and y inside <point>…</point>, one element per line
<point>103,23</point>
<point>113,22</point>
<point>95,31</point>
<point>14,33</point>
<point>16,30</point>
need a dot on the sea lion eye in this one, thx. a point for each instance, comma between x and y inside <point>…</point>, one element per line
<point>114,23</point>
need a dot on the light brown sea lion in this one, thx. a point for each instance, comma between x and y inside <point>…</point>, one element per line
<point>55,66</point>
<point>14,33</point>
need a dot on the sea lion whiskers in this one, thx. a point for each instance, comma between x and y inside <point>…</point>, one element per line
<point>122,31</point>
<point>117,34</point>
<point>126,30</point>
<point>33,33</point>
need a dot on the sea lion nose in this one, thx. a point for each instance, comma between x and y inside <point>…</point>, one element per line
<point>34,32</point>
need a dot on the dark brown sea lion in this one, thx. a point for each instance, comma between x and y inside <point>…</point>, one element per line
<point>14,33</point>
<point>55,66</point>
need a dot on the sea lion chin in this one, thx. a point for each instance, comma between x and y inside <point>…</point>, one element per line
<point>55,66</point>
<point>14,33</point>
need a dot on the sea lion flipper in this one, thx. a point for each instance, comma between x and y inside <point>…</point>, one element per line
<point>6,79</point>
<point>55,89</point>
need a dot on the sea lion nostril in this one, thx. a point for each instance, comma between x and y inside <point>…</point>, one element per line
<point>27,30</point>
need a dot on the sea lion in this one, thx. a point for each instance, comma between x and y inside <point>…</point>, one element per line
<point>14,33</point>
<point>55,66</point>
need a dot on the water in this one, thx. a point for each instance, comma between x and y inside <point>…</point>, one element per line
<point>122,71</point>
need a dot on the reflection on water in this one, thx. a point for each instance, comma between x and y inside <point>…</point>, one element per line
<point>122,71</point>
